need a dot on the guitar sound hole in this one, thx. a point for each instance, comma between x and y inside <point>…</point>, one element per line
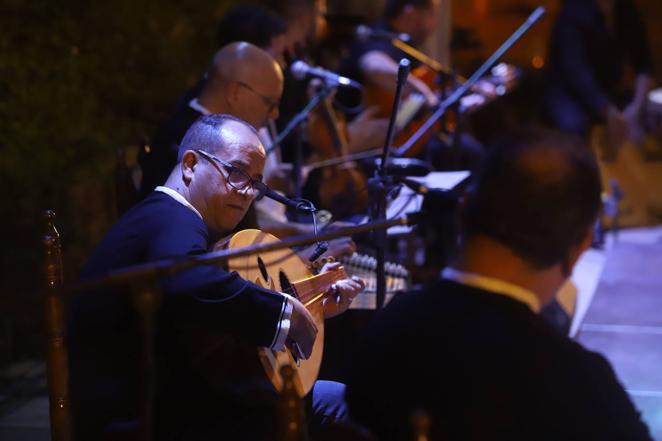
<point>263,269</point>
<point>285,284</point>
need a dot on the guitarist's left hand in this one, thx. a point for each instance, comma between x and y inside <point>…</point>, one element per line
<point>341,293</point>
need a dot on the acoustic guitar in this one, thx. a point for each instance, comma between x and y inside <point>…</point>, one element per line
<point>283,270</point>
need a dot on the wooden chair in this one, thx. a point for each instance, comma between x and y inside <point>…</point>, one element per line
<point>291,417</point>
<point>57,362</point>
<point>291,414</point>
<point>57,357</point>
<point>420,424</point>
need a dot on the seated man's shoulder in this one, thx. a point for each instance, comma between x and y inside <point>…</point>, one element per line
<point>157,227</point>
<point>160,208</point>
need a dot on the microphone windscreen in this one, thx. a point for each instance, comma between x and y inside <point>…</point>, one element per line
<point>363,32</point>
<point>299,69</point>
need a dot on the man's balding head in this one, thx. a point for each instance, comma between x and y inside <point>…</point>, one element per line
<point>538,194</point>
<point>244,81</point>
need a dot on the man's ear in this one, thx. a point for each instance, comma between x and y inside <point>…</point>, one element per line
<point>232,93</point>
<point>189,164</point>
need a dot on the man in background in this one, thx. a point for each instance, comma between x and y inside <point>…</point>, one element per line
<point>229,60</point>
<point>599,69</point>
<point>374,61</point>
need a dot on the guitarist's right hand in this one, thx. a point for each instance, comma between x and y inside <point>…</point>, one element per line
<point>303,330</point>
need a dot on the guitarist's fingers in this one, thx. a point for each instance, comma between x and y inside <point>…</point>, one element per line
<point>355,285</point>
<point>330,266</point>
<point>347,289</point>
<point>360,282</point>
<point>294,347</point>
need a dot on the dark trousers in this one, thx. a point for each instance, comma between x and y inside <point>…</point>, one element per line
<point>256,417</point>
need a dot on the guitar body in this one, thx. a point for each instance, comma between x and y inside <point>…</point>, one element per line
<point>283,270</point>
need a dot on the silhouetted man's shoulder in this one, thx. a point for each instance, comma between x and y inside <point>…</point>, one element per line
<point>484,366</point>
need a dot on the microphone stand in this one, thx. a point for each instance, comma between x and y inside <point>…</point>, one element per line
<point>380,185</point>
<point>297,170</point>
<point>294,123</point>
<point>301,117</point>
<point>457,94</point>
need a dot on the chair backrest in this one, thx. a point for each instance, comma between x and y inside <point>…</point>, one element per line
<point>420,424</point>
<point>57,358</point>
<point>290,411</point>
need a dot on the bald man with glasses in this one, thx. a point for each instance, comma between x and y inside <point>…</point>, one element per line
<point>201,392</point>
<point>243,80</point>
<point>247,82</point>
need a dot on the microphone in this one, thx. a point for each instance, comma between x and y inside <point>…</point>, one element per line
<point>364,32</point>
<point>301,205</point>
<point>301,69</point>
<point>297,204</point>
<point>404,167</point>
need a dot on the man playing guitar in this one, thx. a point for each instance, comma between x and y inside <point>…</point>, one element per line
<point>206,195</point>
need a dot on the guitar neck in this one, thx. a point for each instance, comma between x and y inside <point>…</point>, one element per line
<point>315,288</point>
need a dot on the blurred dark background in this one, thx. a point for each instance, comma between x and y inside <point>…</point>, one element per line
<point>80,80</point>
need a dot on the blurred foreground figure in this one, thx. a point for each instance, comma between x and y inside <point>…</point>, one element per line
<point>599,69</point>
<point>471,349</point>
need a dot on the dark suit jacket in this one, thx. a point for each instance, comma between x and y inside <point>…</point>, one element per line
<point>485,367</point>
<point>197,306</point>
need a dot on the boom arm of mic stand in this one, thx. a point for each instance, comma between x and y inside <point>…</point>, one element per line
<point>455,96</point>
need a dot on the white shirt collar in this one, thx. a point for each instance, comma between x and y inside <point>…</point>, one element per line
<point>494,285</point>
<point>178,197</point>
<point>195,105</point>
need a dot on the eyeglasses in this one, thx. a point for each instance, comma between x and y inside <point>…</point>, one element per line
<point>236,177</point>
<point>270,103</point>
